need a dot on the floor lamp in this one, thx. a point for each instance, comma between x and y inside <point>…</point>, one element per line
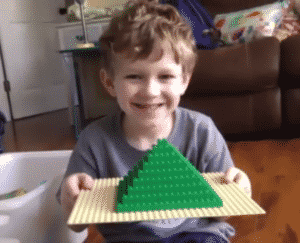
<point>6,84</point>
<point>86,44</point>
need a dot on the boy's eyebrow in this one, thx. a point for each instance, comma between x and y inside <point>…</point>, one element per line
<point>163,70</point>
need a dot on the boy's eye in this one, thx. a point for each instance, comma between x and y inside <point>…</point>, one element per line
<point>166,76</point>
<point>133,76</point>
<point>161,77</point>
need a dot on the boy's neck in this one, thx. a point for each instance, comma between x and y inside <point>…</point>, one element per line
<point>134,135</point>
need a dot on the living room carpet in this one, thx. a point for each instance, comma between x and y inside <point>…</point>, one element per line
<point>273,167</point>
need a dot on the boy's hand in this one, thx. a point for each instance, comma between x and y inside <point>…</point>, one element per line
<point>234,174</point>
<point>71,187</point>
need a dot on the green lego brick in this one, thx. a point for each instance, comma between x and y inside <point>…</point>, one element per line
<point>164,180</point>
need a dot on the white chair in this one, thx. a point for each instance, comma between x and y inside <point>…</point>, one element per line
<point>36,216</point>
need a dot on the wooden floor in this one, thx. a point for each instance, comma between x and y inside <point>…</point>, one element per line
<point>272,166</point>
<point>50,131</point>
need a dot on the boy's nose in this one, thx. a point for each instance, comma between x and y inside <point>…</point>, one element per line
<point>151,88</point>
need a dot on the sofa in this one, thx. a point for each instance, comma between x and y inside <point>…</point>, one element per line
<point>251,90</point>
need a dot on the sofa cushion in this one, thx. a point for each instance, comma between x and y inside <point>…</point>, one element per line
<point>240,114</point>
<point>290,25</point>
<point>236,69</point>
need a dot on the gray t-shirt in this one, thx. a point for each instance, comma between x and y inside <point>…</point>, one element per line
<point>102,151</point>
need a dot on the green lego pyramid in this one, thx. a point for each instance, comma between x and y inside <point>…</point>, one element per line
<point>164,180</point>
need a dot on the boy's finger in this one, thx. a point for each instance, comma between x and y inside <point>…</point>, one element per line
<point>238,178</point>
<point>90,182</point>
<point>224,178</point>
<point>86,182</point>
<point>67,204</point>
<point>230,174</point>
<point>73,184</point>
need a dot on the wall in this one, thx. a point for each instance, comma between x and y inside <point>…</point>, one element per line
<point>30,48</point>
<point>33,64</point>
<point>106,3</point>
<point>99,3</point>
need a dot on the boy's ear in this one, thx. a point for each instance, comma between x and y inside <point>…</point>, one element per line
<point>107,82</point>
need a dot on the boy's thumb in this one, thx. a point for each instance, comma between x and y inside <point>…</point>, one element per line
<point>86,182</point>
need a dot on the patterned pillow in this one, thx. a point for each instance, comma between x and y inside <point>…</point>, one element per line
<point>289,26</point>
<point>246,25</point>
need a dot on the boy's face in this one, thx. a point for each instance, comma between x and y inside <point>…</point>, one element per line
<point>156,82</point>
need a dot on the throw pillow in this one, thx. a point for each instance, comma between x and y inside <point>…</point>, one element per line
<point>246,25</point>
<point>289,26</point>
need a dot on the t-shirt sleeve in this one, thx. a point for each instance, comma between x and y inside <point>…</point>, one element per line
<point>81,161</point>
<point>217,154</point>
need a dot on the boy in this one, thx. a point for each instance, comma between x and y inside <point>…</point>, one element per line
<point>150,59</point>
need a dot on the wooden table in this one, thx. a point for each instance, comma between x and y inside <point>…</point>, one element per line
<point>89,100</point>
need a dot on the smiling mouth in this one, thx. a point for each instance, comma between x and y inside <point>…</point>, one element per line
<point>146,106</point>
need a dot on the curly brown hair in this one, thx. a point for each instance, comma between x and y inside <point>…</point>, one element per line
<point>135,29</point>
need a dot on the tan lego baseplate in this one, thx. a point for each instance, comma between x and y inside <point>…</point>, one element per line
<point>97,206</point>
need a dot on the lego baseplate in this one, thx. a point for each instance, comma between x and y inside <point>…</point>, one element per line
<point>97,206</point>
